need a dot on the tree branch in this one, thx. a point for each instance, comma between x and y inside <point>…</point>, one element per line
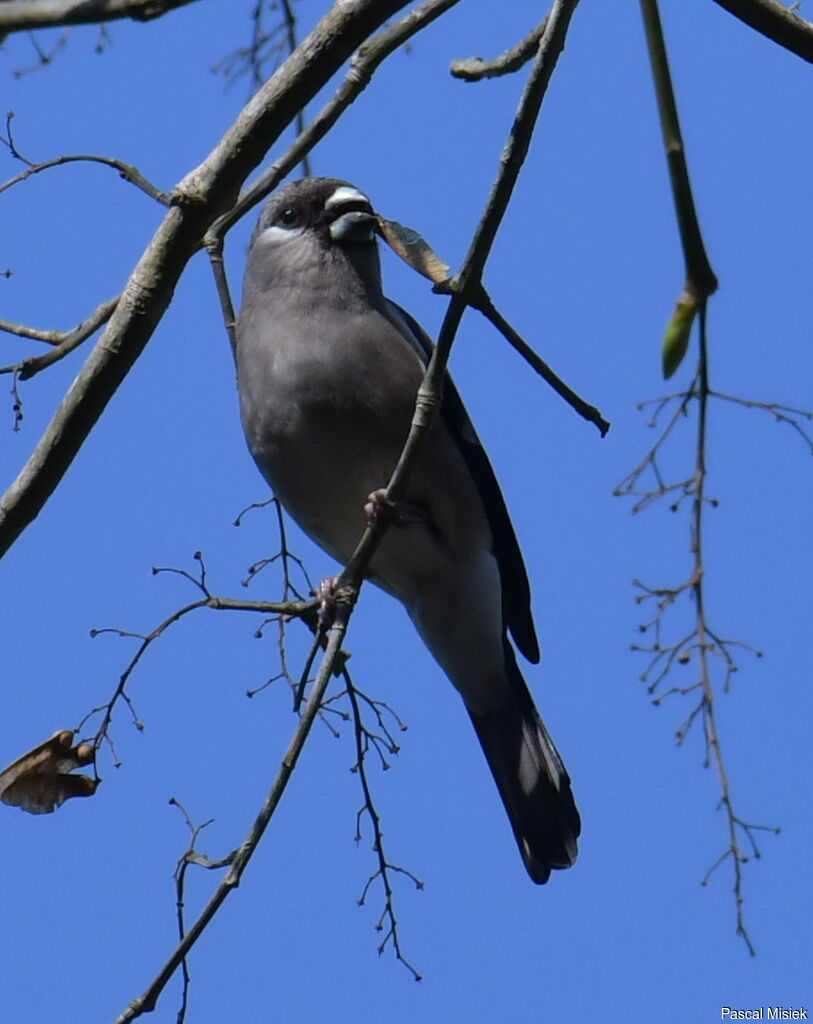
<point>475,69</point>
<point>589,412</point>
<point>64,342</point>
<point>775,21</point>
<point>126,171</point>
<point>24,15</point>
<point>701,281</point>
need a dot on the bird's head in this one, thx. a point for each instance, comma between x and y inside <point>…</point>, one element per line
<point>317,225</point>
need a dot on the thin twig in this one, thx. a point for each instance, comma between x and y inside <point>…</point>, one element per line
<point>64,342</point>
<point>288,608</point>
<point>57,338</point>
<point>126,171</point>
<point>705,644</point>
<point>266,44</point>
<point>301,120</point>
<point>484,304</point>
<point>387,922</point>
<point>781,413</point>
<point>475,69</point>
<point>44,57</point>
<point>190,856</point>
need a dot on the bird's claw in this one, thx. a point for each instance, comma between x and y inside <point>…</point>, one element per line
<point>325,593</point>
<point>380,510</point>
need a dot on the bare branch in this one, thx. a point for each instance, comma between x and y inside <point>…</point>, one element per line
<point>23,15</point>
<point>701,281</point>
<point>475,69</point>
<point>781,414</point>
<point>58,338</point>
<point>64,341</point>
<point>775,21</point>
<point>387,922</point>
<point>484,304</point>
<point>305,610</point>
<point>190,856</point>
<point>126,171</point>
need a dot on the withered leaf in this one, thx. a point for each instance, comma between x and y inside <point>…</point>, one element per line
<point>414,250</point>
<point>39,781</point>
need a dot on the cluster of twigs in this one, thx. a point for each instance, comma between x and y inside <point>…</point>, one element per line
<point>701,646</point>
<point>377,736</point>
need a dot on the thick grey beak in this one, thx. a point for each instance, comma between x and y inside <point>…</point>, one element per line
<point>354,226</point>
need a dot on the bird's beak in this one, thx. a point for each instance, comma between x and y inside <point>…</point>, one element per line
<point>354,226</point>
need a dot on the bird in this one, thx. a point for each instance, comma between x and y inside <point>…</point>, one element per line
<point>327,373</point>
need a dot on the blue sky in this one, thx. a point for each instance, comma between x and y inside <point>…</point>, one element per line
<point>587,266</point>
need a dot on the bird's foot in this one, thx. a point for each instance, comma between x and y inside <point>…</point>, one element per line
<point>380,510</point>
<point>325,593</point>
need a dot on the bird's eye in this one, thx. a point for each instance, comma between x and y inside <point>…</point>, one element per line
<point>289,217</point>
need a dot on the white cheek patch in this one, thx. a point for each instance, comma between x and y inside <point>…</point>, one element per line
<point>346,194</point>
<point>277,235</point>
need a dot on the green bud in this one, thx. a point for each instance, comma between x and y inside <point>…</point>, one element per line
<point>676,338</point>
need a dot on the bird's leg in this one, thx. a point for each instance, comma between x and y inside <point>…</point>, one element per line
<point>325,592</point>
<point>379,510</point>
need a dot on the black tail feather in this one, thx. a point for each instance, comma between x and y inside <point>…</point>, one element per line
<point>531,779</point>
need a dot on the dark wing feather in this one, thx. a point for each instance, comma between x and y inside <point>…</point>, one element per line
<point>516,592</point>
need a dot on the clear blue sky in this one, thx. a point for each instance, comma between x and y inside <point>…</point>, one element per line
<point>587,266</point>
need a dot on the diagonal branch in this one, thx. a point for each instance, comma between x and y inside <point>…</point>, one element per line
<point>64,342</point>
<point>25,15</point>
<point>701,281</point>
<point>775,21</point>
<point>475,69</point>
<point>126,171</point>
<point>589,412</point>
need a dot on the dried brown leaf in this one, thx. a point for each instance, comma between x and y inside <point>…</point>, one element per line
<point>413,250</point>
<point>40,780</point>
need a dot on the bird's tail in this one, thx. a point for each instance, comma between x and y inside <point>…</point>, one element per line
<point>531,780</point>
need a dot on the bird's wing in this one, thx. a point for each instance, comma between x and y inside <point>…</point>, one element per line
<point>516,592</point>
